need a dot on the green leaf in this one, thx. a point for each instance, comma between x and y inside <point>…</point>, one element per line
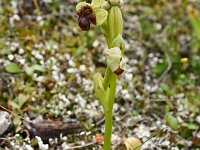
<point>39,68</point>
<point>19,102</point>
<point>171,121</point>
<point>4,52</point>
<point>192,126</point>
<point>167,90</point>
<point>160,68</point>
<point>12,68</point>
<point>195,22</point>
<point>148,26</point>
<point>77,51</point>
<point>29,70</point>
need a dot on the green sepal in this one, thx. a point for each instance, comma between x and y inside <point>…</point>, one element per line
<point>97,3</point>
<point>80,5</point>
<point>113,57</point>
<point>101,16</point>
<point>119,42</point>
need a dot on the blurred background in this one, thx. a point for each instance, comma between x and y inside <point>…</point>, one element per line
<point>47,65</point>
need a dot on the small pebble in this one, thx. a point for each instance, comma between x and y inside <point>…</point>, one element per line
<point>5,122</point>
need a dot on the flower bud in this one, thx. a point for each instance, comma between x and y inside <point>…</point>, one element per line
<point>119,3</point>
<point>115,22</point>
<point>106,5</point>
<point>100,92</point>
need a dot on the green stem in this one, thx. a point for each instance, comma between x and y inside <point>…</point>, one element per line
<point>108,114</point>
<point>114,27</point>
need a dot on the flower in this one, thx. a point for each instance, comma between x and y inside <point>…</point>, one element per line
<point>91,13</point>
<point>115,60</point>
<point>86,16</point>
<point>184,60</point>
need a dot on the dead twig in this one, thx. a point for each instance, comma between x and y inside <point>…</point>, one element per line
<point>8,138</point>
<point>154,135</point>
<point>15,114</point>
<point>47,128</point>
<point>37,7</point>
<point>167,69</point>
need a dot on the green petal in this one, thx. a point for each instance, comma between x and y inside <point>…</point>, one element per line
<point>101,16</point>
<point>123,64</point>
<point>97,3</point>
<point>80,5</point>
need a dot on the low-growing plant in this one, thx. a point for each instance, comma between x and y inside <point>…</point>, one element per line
<point>108,16</point>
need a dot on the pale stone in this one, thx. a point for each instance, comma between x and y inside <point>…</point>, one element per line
<point>5,122</point>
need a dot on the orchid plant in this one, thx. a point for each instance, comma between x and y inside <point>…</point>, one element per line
<point>108,16</point>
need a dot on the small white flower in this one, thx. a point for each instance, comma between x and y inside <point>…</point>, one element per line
<point>41,145</point>
<point>10,57</point>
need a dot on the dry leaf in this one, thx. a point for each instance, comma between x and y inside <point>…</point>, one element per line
<point>132,143</point>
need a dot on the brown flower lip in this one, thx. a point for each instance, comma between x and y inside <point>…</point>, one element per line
<point>86,17</point>
<point>118,71</point>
